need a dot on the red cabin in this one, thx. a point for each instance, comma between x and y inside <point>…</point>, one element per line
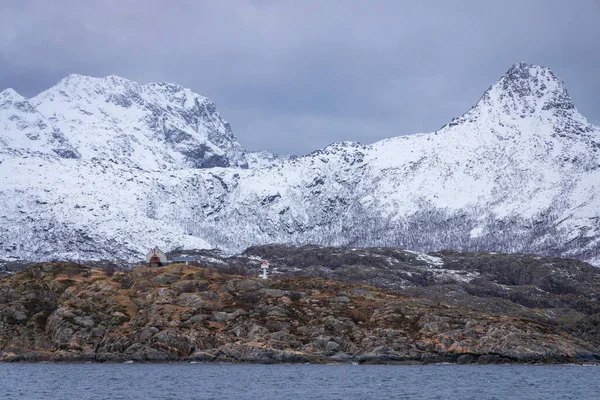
<point>154,261</point>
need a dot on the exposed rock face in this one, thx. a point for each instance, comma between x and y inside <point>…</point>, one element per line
<point>69,312</point>
<point>560,292</point>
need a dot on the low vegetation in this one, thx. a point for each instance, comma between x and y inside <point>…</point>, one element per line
<point>73,312</point>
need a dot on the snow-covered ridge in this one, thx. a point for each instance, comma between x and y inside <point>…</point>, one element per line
<point>518,172</point>
<point>153,126</point>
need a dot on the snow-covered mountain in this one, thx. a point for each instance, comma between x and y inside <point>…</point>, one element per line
<point>519,172</point>
<point>154,126</point>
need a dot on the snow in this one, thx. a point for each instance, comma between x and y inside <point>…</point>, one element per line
<point>211,260</point>
<point>152,126</point>
<point>431,260</point>
<point>518,172</point>
<point>434,265</point>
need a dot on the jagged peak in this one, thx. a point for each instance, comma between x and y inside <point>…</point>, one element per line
<point>74,81</point>
<point>11,95</point>
<point>525,68</point>
<point>168,85</point>
<point>10,99</point>
<point>180,127</point>
<point>524,90</point>
<point>348,150</point>
<point>346,145</point>
<point>77,85</point>
<point>527,89</point>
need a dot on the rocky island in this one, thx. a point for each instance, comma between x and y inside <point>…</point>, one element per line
<point>322,304</point>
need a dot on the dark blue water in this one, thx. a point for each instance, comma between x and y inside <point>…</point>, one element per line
<point>212,381</point>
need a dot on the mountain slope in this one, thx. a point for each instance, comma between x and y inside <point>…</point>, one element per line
<point>519,172</point>
<point>24,129</point>
<point>153,126</point>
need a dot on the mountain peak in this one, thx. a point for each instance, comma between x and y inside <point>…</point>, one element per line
<point>529,96</point>
<point>526,68</point>
<point>114,88</point>
<point>528,89</point>
<point>77,81</point>
<point>74,80</point>
<point>10,99</point>
<point>10,96</point>
<point>524,90</point>
<point>153,126</point>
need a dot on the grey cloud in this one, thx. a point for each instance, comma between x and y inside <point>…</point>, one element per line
<point>292,76</point>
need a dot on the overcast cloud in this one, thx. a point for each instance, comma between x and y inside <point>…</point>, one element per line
<point>294,76</point>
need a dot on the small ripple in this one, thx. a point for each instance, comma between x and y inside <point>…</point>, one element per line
<point>238,382</point>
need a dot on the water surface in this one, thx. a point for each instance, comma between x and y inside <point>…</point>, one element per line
<point>224,381</point>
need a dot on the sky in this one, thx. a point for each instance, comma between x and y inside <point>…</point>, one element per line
<point>293,76</point>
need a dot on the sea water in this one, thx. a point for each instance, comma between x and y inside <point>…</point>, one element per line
<point>226,381</point>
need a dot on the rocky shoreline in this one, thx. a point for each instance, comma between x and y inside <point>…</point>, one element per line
<point>68,312</point>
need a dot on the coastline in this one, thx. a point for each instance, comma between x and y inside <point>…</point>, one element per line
<point>67,312</point>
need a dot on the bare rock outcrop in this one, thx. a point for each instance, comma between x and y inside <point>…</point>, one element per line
<point>70,312</point>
